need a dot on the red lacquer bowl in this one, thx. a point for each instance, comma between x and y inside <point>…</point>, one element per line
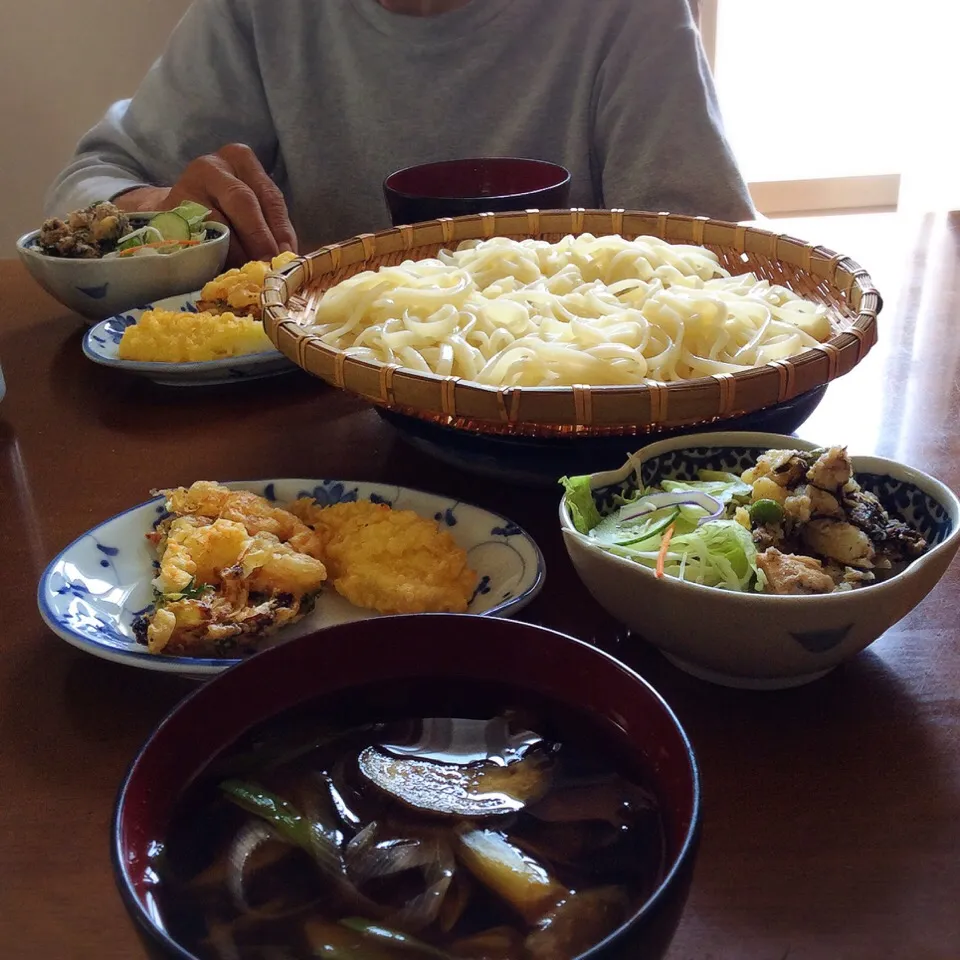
<point>457,188</point>
<point>440,647</point>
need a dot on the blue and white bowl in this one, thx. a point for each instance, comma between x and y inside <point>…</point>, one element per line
<point>103,288</point>
<point>101,344</point>
<point>752,640</point>
<point>93,592</point>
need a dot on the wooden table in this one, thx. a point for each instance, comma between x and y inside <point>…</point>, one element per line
<point>832,812</point>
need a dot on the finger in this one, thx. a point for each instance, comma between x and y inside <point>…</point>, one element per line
<point>247,167</point>
<point>239,204</point>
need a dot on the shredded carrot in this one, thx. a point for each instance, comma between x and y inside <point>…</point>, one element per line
<point>664,547</point>
<point>160,243</point>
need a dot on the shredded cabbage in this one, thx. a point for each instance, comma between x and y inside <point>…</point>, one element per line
<point>713,552</point>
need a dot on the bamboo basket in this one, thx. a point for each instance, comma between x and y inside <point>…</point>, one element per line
<point>813,272</point>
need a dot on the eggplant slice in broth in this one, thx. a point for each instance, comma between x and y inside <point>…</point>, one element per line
<point>463,768</point>
<point>436,838</point>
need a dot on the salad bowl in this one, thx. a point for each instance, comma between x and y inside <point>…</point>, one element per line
<point>101,288</point>
<point>737,636</point>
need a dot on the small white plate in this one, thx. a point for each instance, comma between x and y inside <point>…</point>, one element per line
<point>92,593</point>
<point>102,341</point>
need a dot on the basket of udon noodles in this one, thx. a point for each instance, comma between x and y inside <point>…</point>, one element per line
<point>573,322</point>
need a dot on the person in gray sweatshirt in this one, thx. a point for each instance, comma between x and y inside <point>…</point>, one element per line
<point>285,116</point>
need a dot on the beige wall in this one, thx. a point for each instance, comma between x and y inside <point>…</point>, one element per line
<point>62,62</point>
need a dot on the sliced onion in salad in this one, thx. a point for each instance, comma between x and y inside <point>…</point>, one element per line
<point>652,502</point>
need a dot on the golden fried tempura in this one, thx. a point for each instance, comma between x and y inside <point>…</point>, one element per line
<point>208,499</point>
<point>393,561</point>
<point>230,572</point>
<point>239,290</point>
<point>216,626</point>
<point>269,566</point>
<point>234,567</point>
<point>197,554</point>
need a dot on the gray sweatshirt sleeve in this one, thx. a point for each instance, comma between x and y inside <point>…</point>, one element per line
<point>658,138</point>
<point>178,113</point>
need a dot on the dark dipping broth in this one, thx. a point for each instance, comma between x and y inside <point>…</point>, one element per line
<point>503,827</point>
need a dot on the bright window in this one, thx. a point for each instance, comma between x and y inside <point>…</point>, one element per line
<point>838,104</point>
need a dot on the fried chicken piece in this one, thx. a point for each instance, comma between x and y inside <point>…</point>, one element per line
<point>53,231</point>
<point>807,501</point>
<point>832,470</point>
<point>208,499</point>
<point>392,561</point>
<point>793,575</point>
<point>822,503</point>
<point>838,540</point>
<point>783,467</point>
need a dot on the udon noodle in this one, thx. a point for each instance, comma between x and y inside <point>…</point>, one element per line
<point>588,310</point>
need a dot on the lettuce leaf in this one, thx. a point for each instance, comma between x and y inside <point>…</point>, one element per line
<point>579,500</point>
<point>193,213</point>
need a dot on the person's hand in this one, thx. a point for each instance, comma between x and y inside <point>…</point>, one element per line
<point>235,186</point>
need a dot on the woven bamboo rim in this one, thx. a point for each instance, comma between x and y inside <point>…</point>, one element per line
<point>811,271</point>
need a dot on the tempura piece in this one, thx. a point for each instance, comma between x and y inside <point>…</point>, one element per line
<point>205,498</point>
<point>197,554</point>
<point>214,627</point>
<point>392,561</point>
<point>269,566</point>
<point>229,572</point>
<point>238,290</point>
<point>234,566</point>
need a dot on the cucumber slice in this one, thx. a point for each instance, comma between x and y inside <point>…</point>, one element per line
<point>171,226</point>
<point>654,524</point>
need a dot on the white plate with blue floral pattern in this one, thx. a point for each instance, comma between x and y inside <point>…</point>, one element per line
<point>92,593</point>
<point>101,344</point>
